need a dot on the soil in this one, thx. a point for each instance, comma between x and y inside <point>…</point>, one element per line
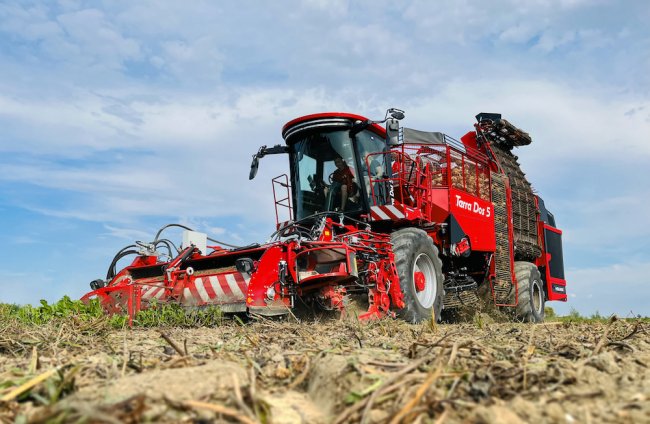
<point>331,371</point>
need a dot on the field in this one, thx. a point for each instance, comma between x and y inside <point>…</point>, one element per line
<point>73,365</point>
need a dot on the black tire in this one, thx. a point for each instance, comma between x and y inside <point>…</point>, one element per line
<point>414,250</point>
<point>530,306</point>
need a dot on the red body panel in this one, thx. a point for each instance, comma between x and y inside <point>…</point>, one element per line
<point>476,218</point>
<point>545,261</point>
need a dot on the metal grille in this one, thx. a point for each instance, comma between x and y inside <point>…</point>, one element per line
<point>462,299</point>
<point>503,285</point>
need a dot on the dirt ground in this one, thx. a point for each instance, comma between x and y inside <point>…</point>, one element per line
<point>330,371</point>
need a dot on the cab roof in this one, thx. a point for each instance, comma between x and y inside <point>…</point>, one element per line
<point>326,119</point>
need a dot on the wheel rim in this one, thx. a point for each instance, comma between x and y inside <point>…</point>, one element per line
<point>537,298</point>
<point>423,265</point>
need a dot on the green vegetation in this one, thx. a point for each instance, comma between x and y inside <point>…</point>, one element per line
<point>575,317</point>
<point>172,315</point>
<point>158,315</point>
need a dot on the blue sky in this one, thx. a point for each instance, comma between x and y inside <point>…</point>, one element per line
<point>119,117</point>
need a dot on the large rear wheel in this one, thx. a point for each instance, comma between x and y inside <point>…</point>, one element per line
<point>531,296</point>
<point>420,274</point>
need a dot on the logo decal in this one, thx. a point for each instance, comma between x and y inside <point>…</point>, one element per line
<point>473,207</point>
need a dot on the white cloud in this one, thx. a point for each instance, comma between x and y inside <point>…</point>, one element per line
<point>551,41</point>
<point>559,117</point>
<point>199,57</point>
<point>334,8</point>
<point>98,39</point>
<point>129,234</point>
<point>520,33</point>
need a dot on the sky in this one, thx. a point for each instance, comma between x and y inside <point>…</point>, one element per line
<point>118,117</point>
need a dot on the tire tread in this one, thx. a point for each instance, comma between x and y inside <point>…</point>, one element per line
<point>406,243</point>
<point>526,272</point>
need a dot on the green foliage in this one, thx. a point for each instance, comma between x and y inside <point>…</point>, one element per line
<point>157,315</point>
<point>173,314</point>
<point>549,313</point>
<point>65,308</point>
<point>598,317</point>
<point>575,317</point>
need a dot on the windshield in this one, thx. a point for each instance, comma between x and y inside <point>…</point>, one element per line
<point>327,175</point>
<point>325,178</point>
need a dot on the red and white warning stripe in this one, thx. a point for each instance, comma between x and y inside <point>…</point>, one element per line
<point>152,292</point>
<point>217,289</point>
<point>207,289</point>
<point>386,212</point>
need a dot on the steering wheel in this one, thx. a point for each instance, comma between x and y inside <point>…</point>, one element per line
<point>331,178</point>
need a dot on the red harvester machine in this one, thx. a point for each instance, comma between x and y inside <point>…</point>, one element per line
<point>418,222</point>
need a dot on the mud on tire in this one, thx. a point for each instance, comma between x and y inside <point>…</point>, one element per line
<point>415,252</point>
<point>530,306</point>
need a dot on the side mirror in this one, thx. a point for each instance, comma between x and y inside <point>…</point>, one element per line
<point>254,165</point>
<point>392,131</point>
<point>263,151</point>
<point>97,284</point>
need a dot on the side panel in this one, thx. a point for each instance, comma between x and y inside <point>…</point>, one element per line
<point>439,204</point>
<point>476,217</point>
<point>267,275</point>
<point>554,261</point>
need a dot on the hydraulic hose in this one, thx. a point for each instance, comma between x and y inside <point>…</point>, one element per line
<point>111,269</point>
<point>225,244</point>
<point>171,247</point>
<point>155,240</point>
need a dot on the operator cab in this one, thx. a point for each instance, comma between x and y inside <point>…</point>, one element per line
<point>330,166</point>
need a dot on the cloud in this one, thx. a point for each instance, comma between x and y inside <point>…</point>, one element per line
<point>129,234</point>
<point>559,117</point>
<point>520,33</point>
<point>333,8</point>
<point>97,39</point>
<point>549,41</point>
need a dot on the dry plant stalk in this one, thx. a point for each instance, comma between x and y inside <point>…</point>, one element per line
<point>172,344</point>
<point>229,412</point>
<point>29,384</point>
<point>603,339</point>
<point>418,395</point>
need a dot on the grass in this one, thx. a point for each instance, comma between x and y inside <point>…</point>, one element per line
<point>66,309</point>
<point>170,315</point>
<point>575,317</point>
